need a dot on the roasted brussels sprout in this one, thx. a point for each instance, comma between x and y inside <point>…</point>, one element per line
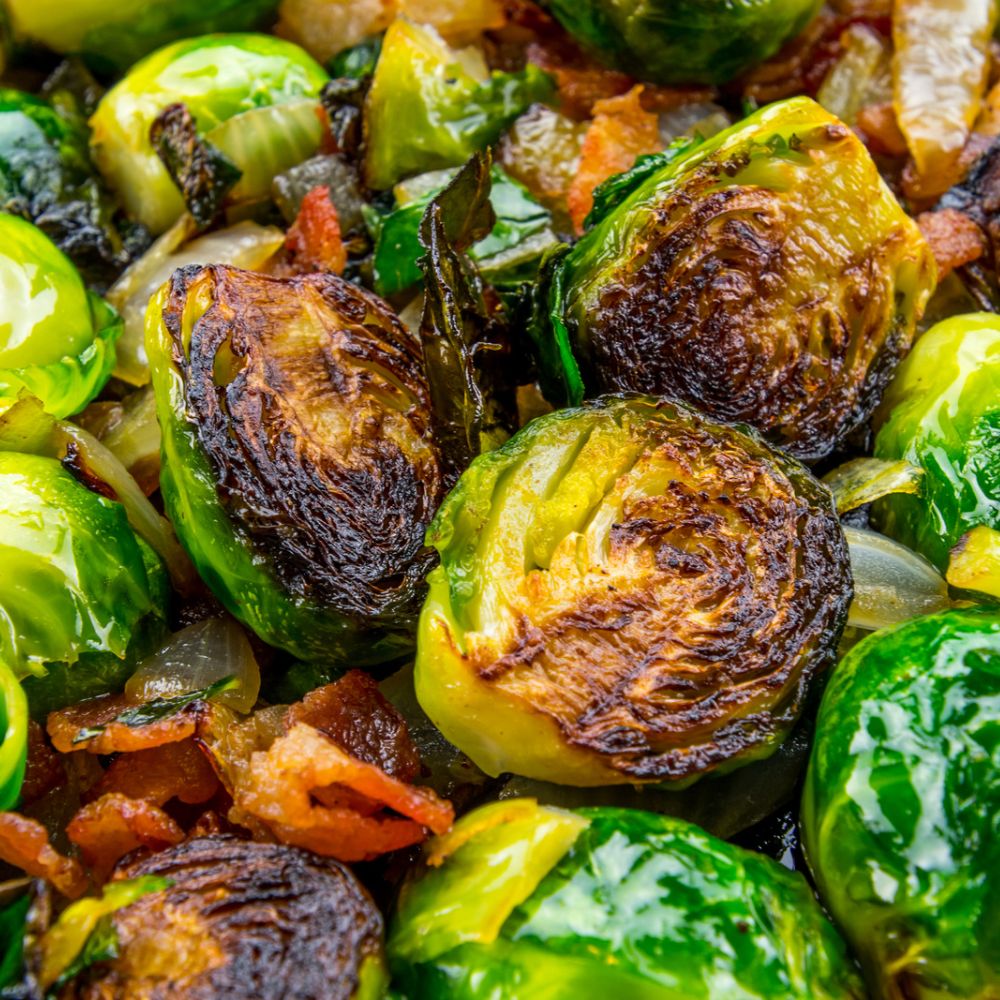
<point>113,35</point>
<point>13,740</point>
<point>901,806</point>
<point>943,415</point>
<point>684,41</point>
<point>81,594</point>
<point>242,919</point>
<point>431,106</point>
<point>56,338</point>
<point>522,901</point>
<point>734,278</point>
<point>253,99</point>
<point>298,467</point>
<point>629,592</point>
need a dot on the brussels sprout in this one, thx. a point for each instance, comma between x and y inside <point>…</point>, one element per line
<point>629,592</point>
<point>943,415</point>
<point>684,41</point>
<point>252,97</point>
<point>901,806</point>
<point>431,106</point>
<point>297,462</point>
<point>113,34</point>
<point>510,254</point>
<point>56,338</point>
<point>522,901</point>
<point>733,278</point>
<point>13,740</point>
<point>79,587</point>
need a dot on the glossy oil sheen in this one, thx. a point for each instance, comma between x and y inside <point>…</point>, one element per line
<point>901,815</point>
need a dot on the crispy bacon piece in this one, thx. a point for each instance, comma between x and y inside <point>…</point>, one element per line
<point>355,715</point>
<point>580,82</point>
<point>45,769</point>
<point>108,829</point>
<point>24,843</point>
<point>159,774</point>
<point>621,130</point>
<point>314,242</point>
<point>953,237</point>
<point>66,725</point>
<point>282,784</point>
<point>881,130</point>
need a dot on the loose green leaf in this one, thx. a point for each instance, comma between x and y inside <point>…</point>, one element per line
<point>12,919</point>
<point>466,353</point>
<point>863,480</point>
<point>158,709</point>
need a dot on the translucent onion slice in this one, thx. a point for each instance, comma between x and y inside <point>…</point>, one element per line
<point>939,74</point>
<point>863,480</point>
<point>194,659</point>
<point>892,584</point>
<point>245,245</point>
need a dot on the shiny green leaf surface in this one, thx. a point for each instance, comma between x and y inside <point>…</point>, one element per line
<point>942,414</point>
<point>640,906</point>
<point>431,106</point>
<point>218,78</point>
<point>13,742</point>
<point>684,41</point>
<point>902,805</point>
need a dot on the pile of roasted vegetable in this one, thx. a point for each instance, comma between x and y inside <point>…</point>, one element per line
<point>500,500</point>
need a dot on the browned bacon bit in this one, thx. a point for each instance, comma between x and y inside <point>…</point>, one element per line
<point>108,829</point>
<point>24,843</point>
<point>881,131</point>
<point>953,237</point>
<point>621,130</point>
<point>358,718</point>
<point>283,783</point>
<point>314,240</point>
<point>45,769</point>
<point>69,727</point>
<point>159,774</point>
<point>581,83</point>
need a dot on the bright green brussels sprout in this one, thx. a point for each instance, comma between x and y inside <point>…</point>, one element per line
<point>629,592</point>
<point>431,106</point>
<point>523,901</point>
<point>13,741</point>
<point>56,338</point>
<point>684,41</point>
<point>733,278</point>
<point>81,596</point>
<point>113,34</point>
<point>298,464</point>
<point>943,415</point>
<point>902,803</point>
<point>252,97</point>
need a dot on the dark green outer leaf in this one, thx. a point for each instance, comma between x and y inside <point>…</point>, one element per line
<point>12,918</point>
<point>901,814</point>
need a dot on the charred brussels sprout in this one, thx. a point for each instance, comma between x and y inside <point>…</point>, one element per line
<point>253,99</point>
<point>522,901</point>
<point>298,465</point>
<point>943,415</point>
<point>240,919</point>
<point>902,803</point>
<point>432,106</point>
<point>684,41</point>
<point>79,591</point>
<point>113,34</point>
<point>629,592</point>
<point>734,279</point>
<point>56,338</point>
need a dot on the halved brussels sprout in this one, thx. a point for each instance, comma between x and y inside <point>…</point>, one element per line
<point>629,592</point>
<point>56,338</point>
<point>79,589</point>
<point>522,901</point>
<point>684,41</point>
<point>734,278</point>
<point>431,106</point>
<point>901,804</point>
<point>254,98</point>
<point>232,918</point>
<point>298,467</point>
<point>942,413</point>
<point>113,34</point>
